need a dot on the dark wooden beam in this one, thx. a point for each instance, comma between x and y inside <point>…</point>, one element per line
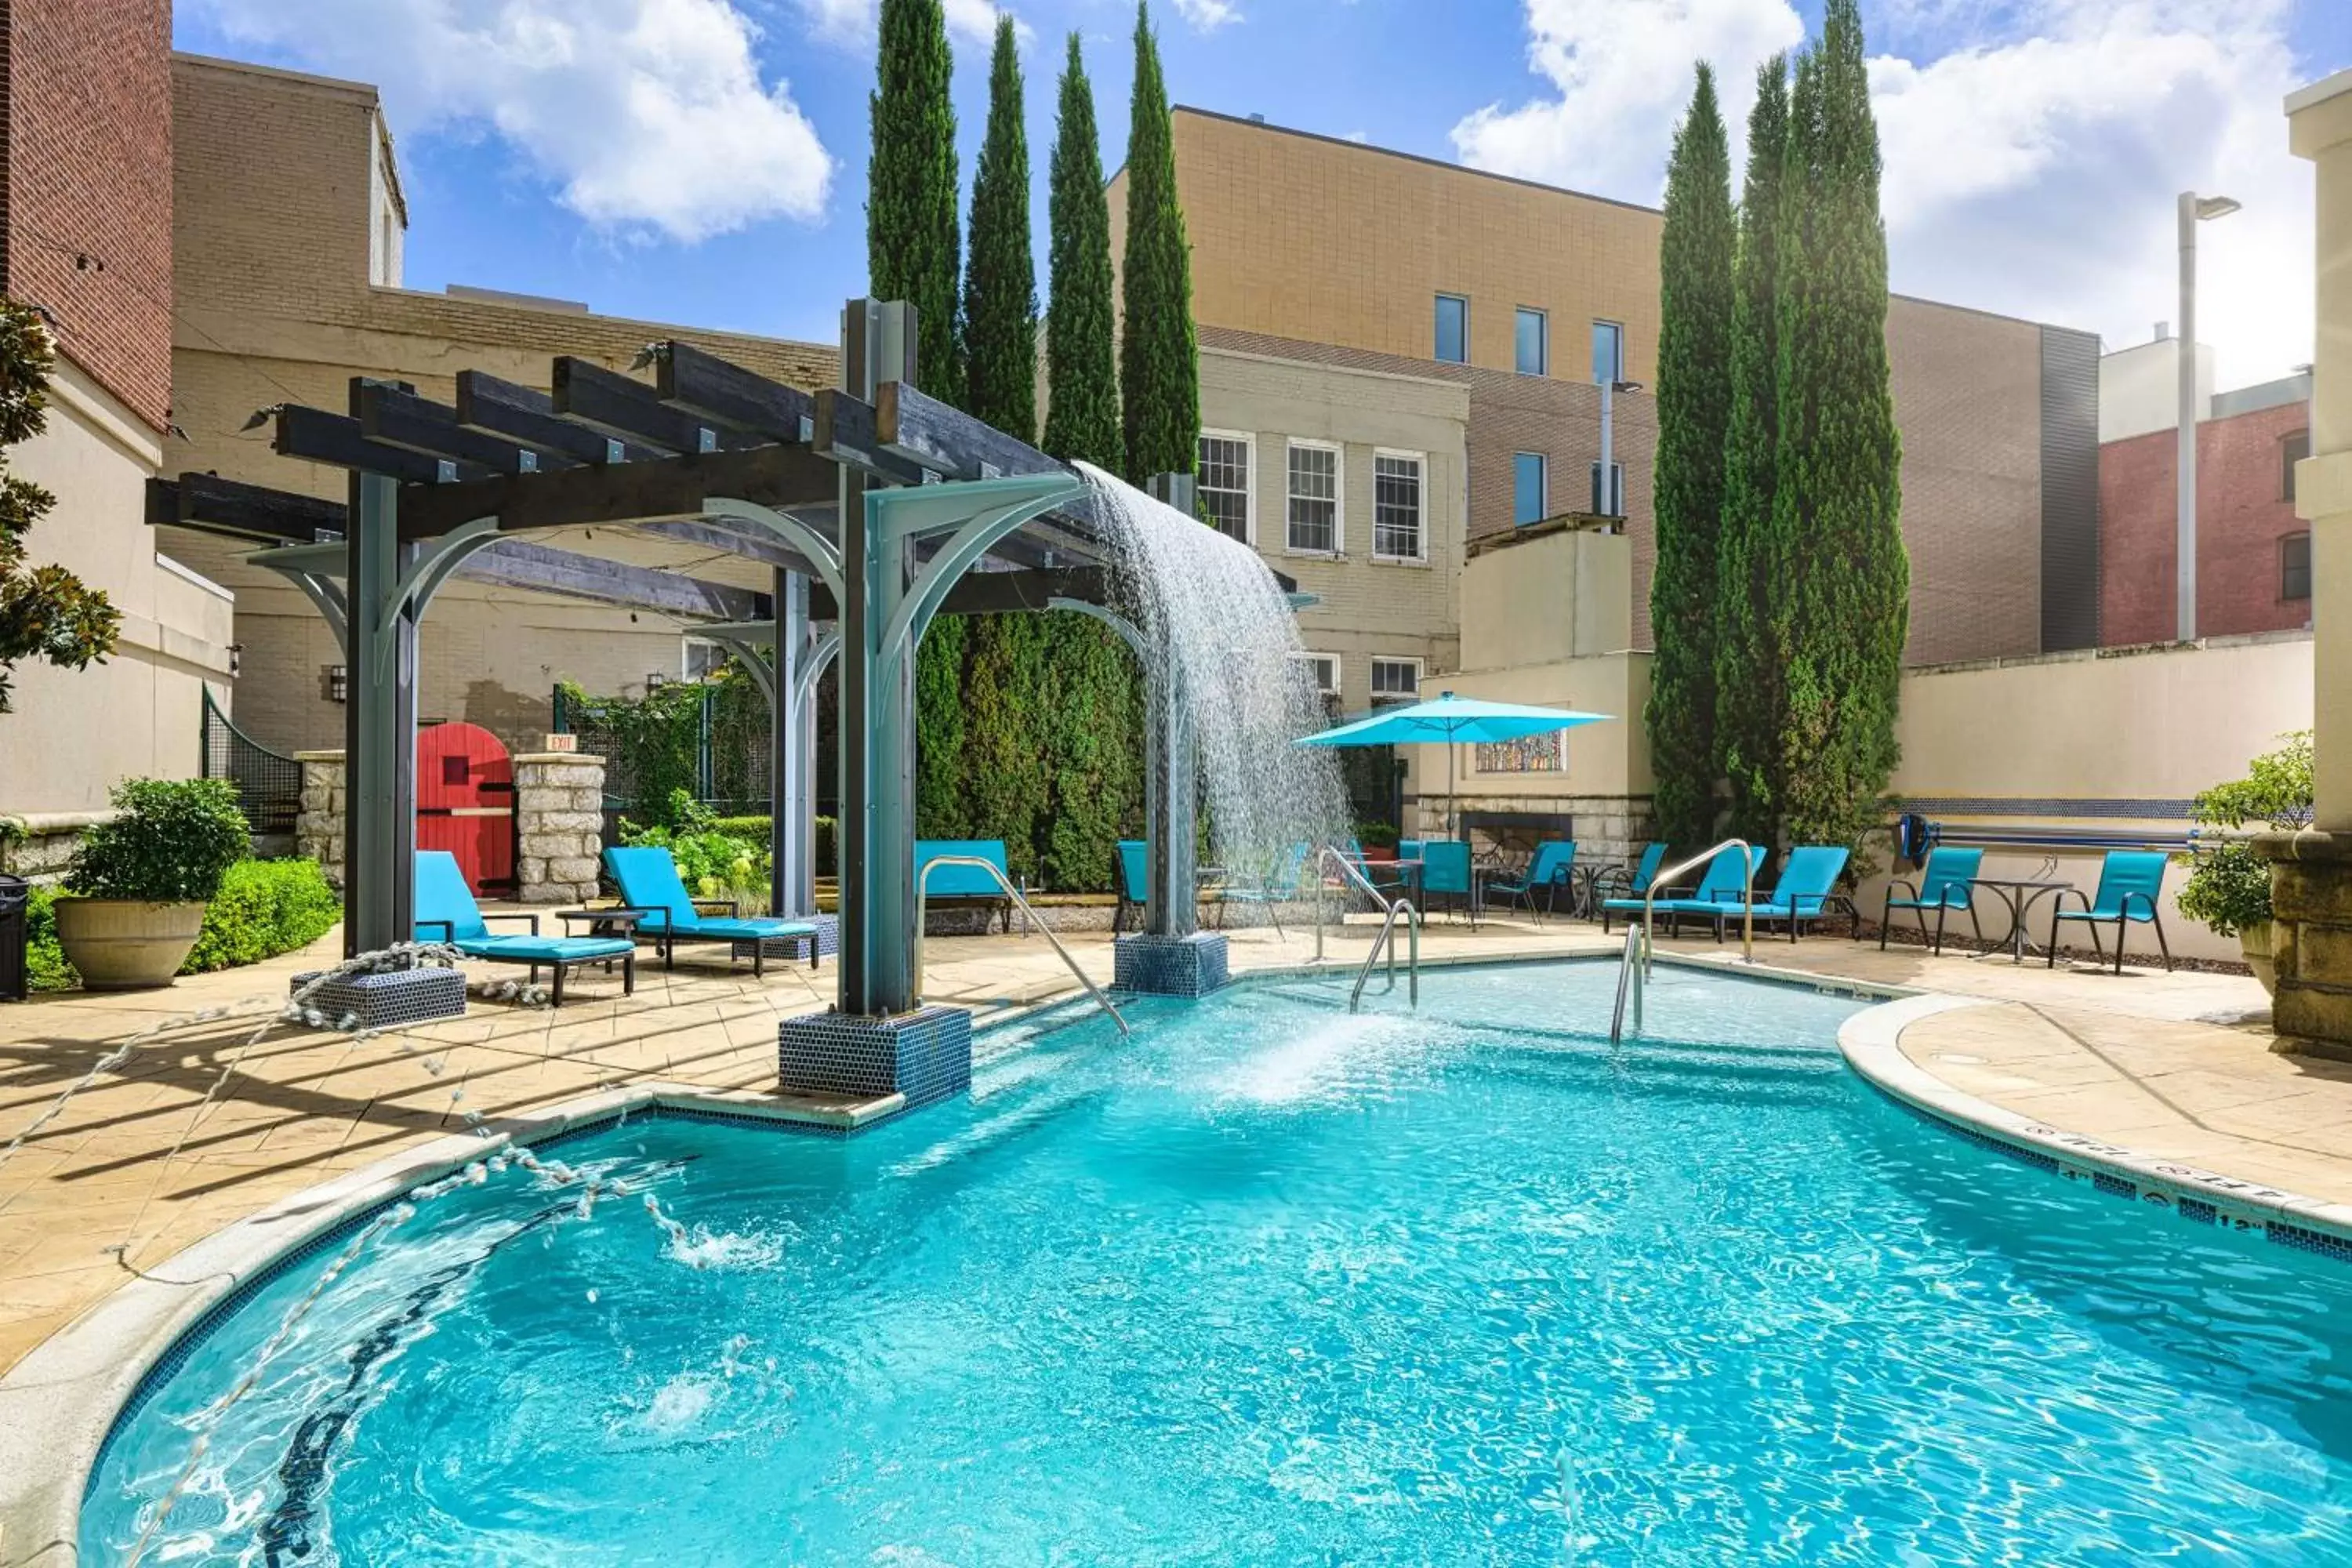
<point>526,415</point>
<point>748,540</point>
<point>913,424</point>
<point>587,392</point>
<point>210,504</point>
<point>400,418</point>
<point>517,563</point>
<point>660,489</point>
<point>701,382</point>
<point>336,440</point>
<point>844,433</point>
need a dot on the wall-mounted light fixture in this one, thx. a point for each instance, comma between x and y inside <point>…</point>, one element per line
<point>339,683</point>
<point>655,680</point>
<point>236,658</point>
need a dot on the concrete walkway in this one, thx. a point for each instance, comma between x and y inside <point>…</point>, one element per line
<point>211,1118</point>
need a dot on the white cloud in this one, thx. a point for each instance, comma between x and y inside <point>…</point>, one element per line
<point>2032,149</point>
<point>649,116</point>
<point>852,22</point>
<point>1208,15</point>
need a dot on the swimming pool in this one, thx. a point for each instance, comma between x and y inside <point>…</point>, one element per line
<point>1274,1284</point>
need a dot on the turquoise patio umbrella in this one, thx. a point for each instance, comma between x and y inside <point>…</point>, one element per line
<point>1450,722</point>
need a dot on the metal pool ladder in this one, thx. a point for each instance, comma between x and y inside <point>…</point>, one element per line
<point>922,898</point>
<point>1386,940</point>
<point>1635,967</point>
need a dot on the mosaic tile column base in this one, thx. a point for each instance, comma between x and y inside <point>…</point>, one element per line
<point>1168,966</point>
<point>828,940</point>
<point>925,1054</point>
<point>386,1000</point>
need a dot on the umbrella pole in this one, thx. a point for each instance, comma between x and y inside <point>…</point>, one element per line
<point>1449,786</point>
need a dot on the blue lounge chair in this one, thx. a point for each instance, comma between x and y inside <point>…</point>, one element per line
<point>1634,879</point>
<point>446,912</point>
<point>1806,891</point>
<point>962,886</point>
<point>1280,887</point>
<point>1134,882</point>
<point>1725,882</point>
<point>649,882</point>
<point>2130,883</point>
<point>1946,882</point>
<point>1550,873</point>
<point>1446,872</point>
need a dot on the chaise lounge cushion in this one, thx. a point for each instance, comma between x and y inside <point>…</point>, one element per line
<point>545,948</point>
<point>649,880</point>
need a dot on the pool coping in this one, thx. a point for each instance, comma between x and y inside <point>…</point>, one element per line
<point>1871,1042</point>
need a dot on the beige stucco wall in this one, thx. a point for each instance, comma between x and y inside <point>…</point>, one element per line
<point>76,732</point>
<point>1550,592</point>
<point>2320,129</point>
<point>1365,607</point>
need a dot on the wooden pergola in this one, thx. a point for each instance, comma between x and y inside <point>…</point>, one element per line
<point>829,526</point>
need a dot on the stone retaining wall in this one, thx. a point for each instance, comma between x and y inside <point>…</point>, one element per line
<point>43,842</point>
<point>2311,939</point>
<point>319,823</point>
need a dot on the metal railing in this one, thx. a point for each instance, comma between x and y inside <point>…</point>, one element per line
<point>1028,916</point>
<point>1635,967</point>
<point>268,783</point>
<point>1386,941</point>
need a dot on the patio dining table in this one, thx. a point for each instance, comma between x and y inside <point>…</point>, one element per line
<point>2018,894</point>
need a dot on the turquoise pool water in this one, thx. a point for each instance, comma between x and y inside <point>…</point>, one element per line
<point>1272,1284</point>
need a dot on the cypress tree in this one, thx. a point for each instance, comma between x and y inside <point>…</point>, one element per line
<point>913,250</point>
<point>1081,365</point>
<point>1695,268</point>
<point>1000,285</point>
<point>1160,354</point>
<point>1840,578</point>
<point>1747,666</point>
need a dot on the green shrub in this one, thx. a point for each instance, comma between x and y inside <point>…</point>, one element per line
<point>46,968</point>
<point>264,908</point>
<point>171,841</point>
<point>2228,888</point>
<point>711,862</point>
<point>754,830</point>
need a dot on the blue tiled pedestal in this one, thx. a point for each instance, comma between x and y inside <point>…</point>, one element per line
<point>1169,965</point>
<point>828,940</point>
<point>386,999</point>
<point>925,1054</point>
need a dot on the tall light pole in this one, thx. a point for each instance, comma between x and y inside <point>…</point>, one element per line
<point>2194,209</point>
<point>1611,502</point>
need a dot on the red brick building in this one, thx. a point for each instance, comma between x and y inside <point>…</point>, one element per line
<point>2253,555</point>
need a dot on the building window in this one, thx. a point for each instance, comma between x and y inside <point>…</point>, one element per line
<point>1396,505</point>
<point>2294,566</point>
<point>1532,340</point>
<point>701,659</point>
<point>1224,486</point>
<point>1607,351</point>
<point>1314,498</point>
<point>1531,489</point>
<point>1396,679</point>
<point>1613,503</point>
<point>2293,449</point>
<point>1453,328</point>
<point>1322,672</point>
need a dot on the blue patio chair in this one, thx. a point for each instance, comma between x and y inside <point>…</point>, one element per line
<point>2130,883</point>
<point>1383,875</point>
<point>1633,879</point>
<point>1806,891</point>
<point>1725,882</point>
<point>1445,872</point>
<point>1280,888</point>
<point>447,913</point>
<point>1946,882</point>
<point>1550,873</point>
<point>649,882</point>
<point>1134,882</point>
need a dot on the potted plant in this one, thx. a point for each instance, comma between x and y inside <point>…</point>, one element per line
<point>1378,839</point>
<point>138,885</point>
<point>2228,888</point>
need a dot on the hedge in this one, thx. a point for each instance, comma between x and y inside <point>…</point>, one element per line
<point>756,830</point>
<point>264,908</point>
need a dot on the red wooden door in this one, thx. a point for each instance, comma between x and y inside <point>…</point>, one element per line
<point>466,801</point>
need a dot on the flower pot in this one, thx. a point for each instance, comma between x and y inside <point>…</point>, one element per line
<point>1379,852</point>
<point>119,944</point>
<point>2255,942</point>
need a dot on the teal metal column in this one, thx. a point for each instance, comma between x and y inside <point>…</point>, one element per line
<point>379,725</point>
<point>791,838</point>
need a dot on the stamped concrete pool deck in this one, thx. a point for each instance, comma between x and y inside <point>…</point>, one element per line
<point>211,1119</point>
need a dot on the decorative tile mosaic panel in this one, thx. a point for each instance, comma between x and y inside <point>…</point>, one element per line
<point>388,999</point>
<point>925,1054</point>
<point>1535,754</point>
<point>1168,966</point>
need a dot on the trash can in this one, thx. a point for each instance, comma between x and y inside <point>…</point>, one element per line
<point>15,985</point>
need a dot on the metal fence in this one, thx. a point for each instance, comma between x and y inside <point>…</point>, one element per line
<point>268,783</point>
<point>731,753</point>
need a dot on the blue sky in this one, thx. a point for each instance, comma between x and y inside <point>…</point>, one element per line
<point>702,162</point>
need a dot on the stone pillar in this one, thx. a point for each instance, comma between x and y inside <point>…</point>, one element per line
<point>2310,939</point>
<point>318,825</point>
<point>559,825</point>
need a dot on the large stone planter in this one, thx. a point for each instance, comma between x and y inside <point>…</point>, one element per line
<point>2255,942</point>
<point>119,944</point>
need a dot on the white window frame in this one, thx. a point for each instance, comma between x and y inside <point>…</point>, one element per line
<point>1373,675</point>
<point>1338,497</point>
<point>1249,480</point>
<point>687,643</point>
<point>1421,527</point>
<point>1338,673</point>
<point>1543,349</point>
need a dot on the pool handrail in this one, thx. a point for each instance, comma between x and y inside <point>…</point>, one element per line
<point>923,892</point>
<point>1635,967</point>
<point>1330,856</point>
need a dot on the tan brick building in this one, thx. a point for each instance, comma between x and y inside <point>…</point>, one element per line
<point>288,231</point>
